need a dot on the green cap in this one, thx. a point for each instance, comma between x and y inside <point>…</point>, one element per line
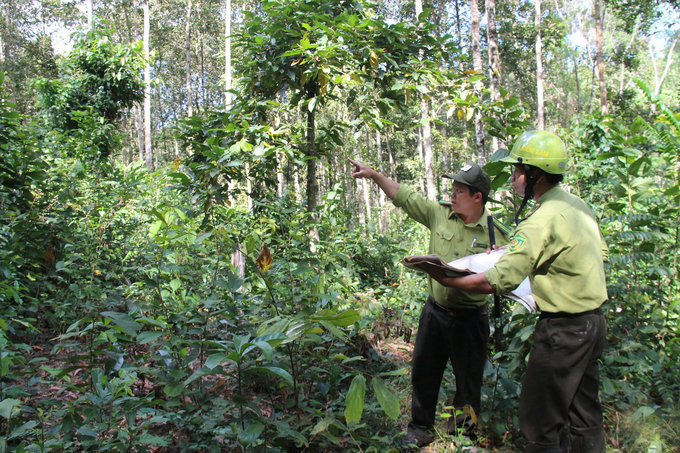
<point>472,175</point>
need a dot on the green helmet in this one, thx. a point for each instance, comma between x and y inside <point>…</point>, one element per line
<point>540,149</point>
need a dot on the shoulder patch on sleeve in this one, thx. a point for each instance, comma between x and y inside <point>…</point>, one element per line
<point>517,242</point>
<point>445,202</point>
<point>500,226</point>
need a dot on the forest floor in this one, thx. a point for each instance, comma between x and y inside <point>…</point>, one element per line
<point>400,352</point>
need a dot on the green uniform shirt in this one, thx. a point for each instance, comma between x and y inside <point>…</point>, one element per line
<point>451,239</point>
<point>560,248</point>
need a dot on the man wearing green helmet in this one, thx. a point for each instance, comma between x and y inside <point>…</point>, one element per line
<point>559,246</point>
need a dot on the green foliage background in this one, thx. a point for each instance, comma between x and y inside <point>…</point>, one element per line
<point>126,324</point>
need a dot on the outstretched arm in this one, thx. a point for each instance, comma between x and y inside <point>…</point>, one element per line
<point>475,283</point>
<point>387,185</point>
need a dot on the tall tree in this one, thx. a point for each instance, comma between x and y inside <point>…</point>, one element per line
<point>599,34</point>
<point>540,109</point>
<point>90,14</point>
<point>477,66</point>
<point>147,91</point>
<point>227,54</point>
<point>494,56</point>
<point>426,130</point>
<point>187,52</point>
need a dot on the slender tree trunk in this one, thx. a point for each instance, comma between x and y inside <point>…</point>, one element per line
<point>669,59</point>
<point>7,42</point>
<point>494,57</point>
<point>578,87</point>
<point>623,59</point>
<point>428,154</point>
<point>227,55</point>
<point>459,35</point>
<point>426,130</point>
<point>312,184</point>
<point>187,56</point>
<point>477,66</point>
<point>147,92</point>
<point>421,155</point>
<point>597,4</point>
<point>540,111</point>
<point>390,157</point>
<point>90,14</point>
<point>381,194</point>
<point>367,199</point>
<point>139,120</point>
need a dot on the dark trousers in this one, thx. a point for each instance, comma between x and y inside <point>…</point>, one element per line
<point>443,336</point>
<point>560,387</point>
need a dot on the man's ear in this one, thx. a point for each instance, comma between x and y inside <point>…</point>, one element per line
<point>478,197</point>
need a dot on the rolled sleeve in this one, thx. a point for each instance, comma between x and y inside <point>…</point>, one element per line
<point>517,263</point>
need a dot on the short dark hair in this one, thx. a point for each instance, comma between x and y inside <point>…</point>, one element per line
<point>474,190</point>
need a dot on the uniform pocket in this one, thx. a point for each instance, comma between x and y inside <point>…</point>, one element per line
<point>443,239</point>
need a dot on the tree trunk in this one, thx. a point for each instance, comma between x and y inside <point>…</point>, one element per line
<point>139,120</point>
<point>477,66</point>
<point>421,179</point>
<point>367,199</point>
<point>578,87</point>
<point>623,58</point>
<point>90,14</point>
<point>494,57</point>
<point>147,92</point>
<point>312,184</point>
<point>383,199</point>
<point>7,48</point>
<point>540,112</point>
<point>669,60</point>
<point>600,54</point>
<point>390,157</point>
<point>427,152</point>
<point>187,56</point>
<point>227,55</point>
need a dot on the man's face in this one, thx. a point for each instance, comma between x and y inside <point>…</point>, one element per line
<point>519,179</point>
<point>461,200</point>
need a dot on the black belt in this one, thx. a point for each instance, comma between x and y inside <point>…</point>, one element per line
<point>562,314</point>
<point>458,312</point>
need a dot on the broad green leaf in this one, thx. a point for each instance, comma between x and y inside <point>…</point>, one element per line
<point>509,103</point>
<point>399,372</point>
<point>214,360</point>
<point>251,433</point>
<point>387,400</point>
<point>174,388</point>
<point>321,426</point>
<point>129,325</point>
<point>273,370</point>
<point>148,337</point>
<point>642,413</point>
<point>354,402</point>
<point>205,371</point>
<point>9,407</point>
<point>149,439</point>
<point>21,430</point>
<point>175,284</point>
<point>274,339</point>
<point>85,431</point>
<point>346,318</point>
<point>266,349</point>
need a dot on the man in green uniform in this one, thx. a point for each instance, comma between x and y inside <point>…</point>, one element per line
<point>559,246</point>
<point>453,325</point>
